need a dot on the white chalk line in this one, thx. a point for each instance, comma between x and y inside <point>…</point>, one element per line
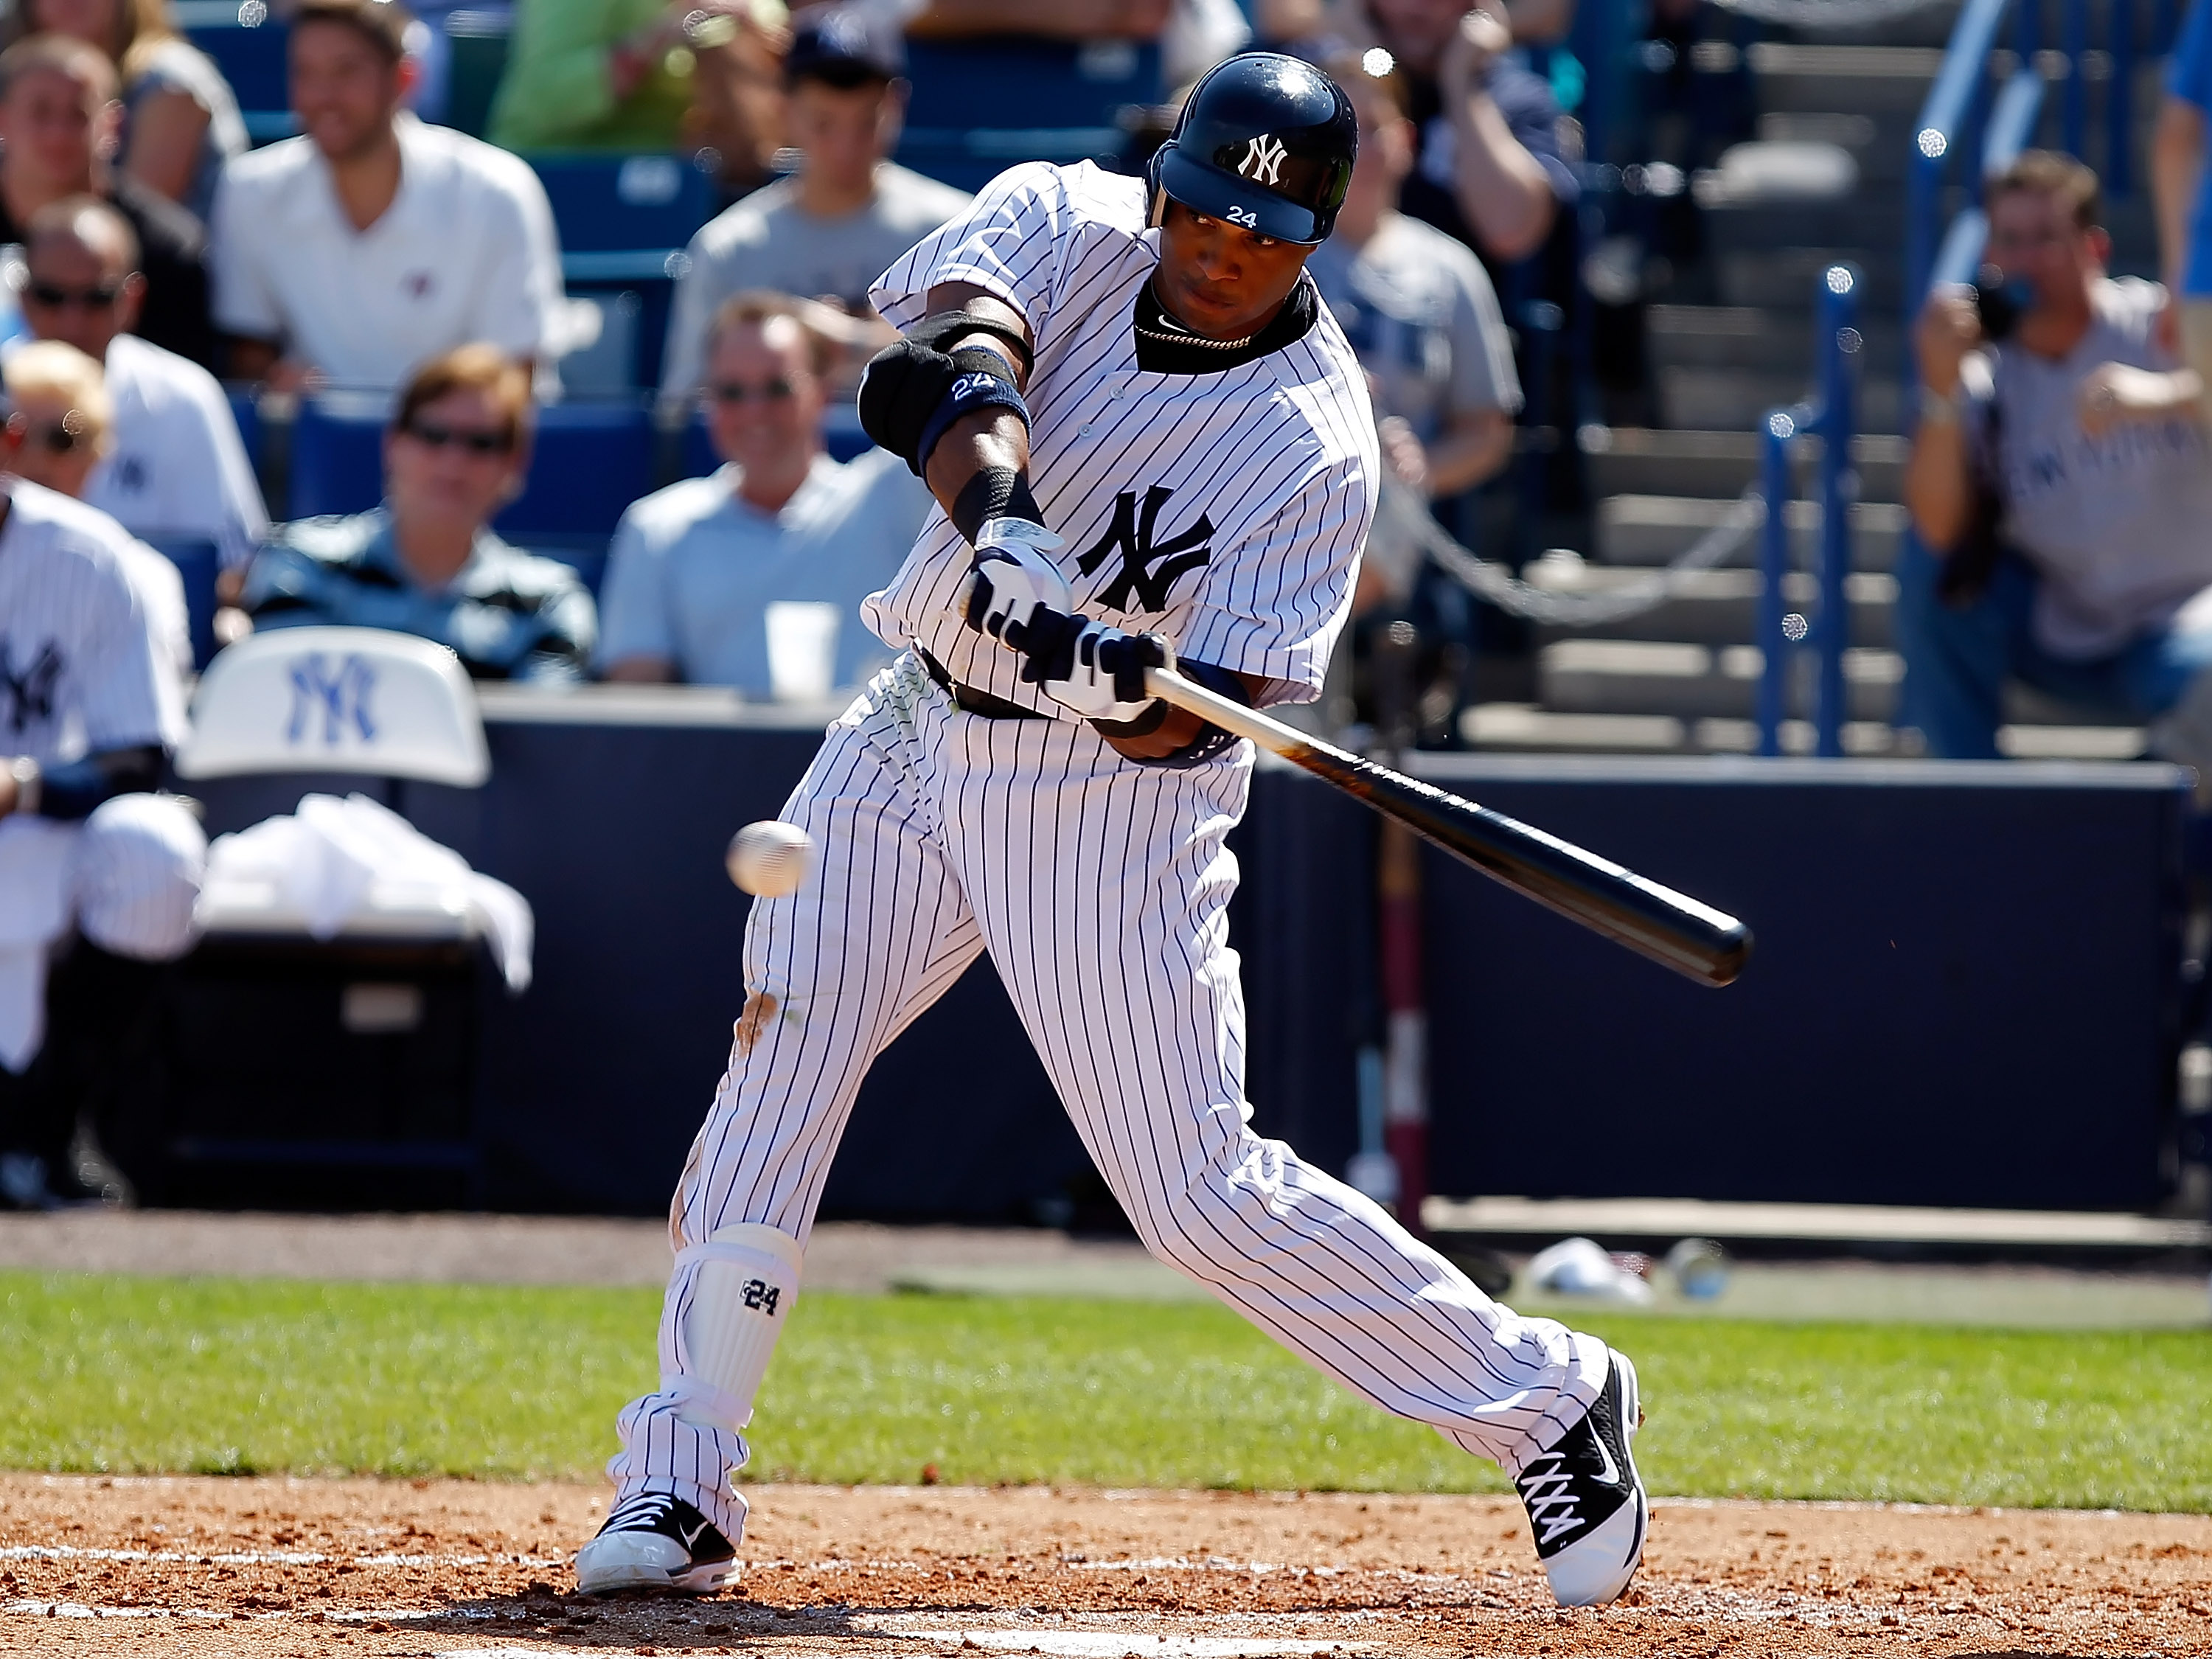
<point>269,1558</point>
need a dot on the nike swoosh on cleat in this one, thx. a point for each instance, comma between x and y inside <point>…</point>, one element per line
<point>1610,1474</point>
<point>691,1537</point>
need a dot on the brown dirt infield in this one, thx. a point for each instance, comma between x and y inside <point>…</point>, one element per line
<point>259,1568</point>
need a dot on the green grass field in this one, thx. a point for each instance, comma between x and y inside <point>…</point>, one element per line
<point>141,1375</point>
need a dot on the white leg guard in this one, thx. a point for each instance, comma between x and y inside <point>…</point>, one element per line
<point>743,1282</point>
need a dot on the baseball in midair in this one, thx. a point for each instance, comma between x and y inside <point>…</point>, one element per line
<point>770,857</point>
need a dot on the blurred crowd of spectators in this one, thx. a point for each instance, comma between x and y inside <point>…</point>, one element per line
<point>378,252</point>
<point>152,253</point>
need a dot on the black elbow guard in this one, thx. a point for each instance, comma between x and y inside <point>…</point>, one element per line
<point>911,392</point>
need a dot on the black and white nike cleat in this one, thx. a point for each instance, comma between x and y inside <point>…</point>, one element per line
<point>1585,1501</point>
<point>656,1543</point>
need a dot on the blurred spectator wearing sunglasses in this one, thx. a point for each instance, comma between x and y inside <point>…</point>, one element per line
<point>59,131</point>
<point>696,566</point>
<point>427,561</point>
<point>176,466</point>
<point>60,432</point>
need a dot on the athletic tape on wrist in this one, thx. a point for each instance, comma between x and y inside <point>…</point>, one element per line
<point>996,492</point>
<point>743,1282</point>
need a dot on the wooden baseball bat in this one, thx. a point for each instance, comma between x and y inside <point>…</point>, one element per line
<point>1669,928</point>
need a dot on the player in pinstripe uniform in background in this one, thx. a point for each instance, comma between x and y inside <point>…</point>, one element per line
<point>98,876</point>
<point>1142,430</point>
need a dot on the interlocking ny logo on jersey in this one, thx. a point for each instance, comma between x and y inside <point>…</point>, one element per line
<point>341,695</point>
<point>30,690</point>
<point>1263,160</point>
<point>1142,585</point>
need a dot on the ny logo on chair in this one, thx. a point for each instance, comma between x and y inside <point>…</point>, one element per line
<point>341,696</point>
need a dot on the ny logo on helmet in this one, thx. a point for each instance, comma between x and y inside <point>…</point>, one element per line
<point>1263,160</point>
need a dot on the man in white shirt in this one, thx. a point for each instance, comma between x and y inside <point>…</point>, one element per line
<point>831,228</point>
<point>695,567</point>
<point>177,467</point>
<point>372,243</point>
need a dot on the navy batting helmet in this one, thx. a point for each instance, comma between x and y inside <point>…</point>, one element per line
<point>1264,141</point>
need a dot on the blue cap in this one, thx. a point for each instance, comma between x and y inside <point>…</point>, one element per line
<point>844,45</point>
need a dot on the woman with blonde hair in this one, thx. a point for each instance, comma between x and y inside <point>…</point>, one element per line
<point>181,121</point>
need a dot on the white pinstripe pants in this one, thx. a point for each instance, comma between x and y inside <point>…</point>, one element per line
<point>1100,890</point>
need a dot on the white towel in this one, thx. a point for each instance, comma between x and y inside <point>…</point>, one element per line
<point>334,859</point>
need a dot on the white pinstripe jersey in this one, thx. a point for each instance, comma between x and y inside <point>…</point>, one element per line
<point>1225,510</point>
<point>81,669</point>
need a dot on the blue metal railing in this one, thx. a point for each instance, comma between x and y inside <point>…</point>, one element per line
<point>1965,122</point>
<point>1830,416</point>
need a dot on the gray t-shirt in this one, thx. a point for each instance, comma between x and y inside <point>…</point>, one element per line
<point>2119,528</point>
<point>1420,312</point>
<point>693,568</point>
<point>769,242</point>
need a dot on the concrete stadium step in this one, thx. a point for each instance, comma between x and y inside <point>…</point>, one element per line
<point>1881,161</point>
<point>1523,727</point>
<point>1783,277</point>
<point>1712,607</point>
<point>1647,530</point>
<point>1878,82</point>
<point>1652,677</point>
<point>1626,460</point>
<point>1778,342</point>
<point>1721,398</point>
<point>1869,218</point>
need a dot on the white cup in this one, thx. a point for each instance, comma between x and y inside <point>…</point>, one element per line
<point>802,649</point>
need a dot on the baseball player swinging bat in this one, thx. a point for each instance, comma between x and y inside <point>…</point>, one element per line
<point>1154,458</point>
<point>1692,939</point>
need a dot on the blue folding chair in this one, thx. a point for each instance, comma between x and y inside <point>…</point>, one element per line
<point>624,203</point>
<point>1050,101</point>
<point>245,412</point>
<point>589,463</point>
<point>337,454</point>
<point>199,561</point>
<point>624,221</point>
<point>252,56</point>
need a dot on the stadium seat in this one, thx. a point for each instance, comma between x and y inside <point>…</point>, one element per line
<point>1050,101</point>
<point>248,46</point>
<point>590,462</point>
<point>624,221</point>
<point>321,1039</point>
<point>624,203</point>
<point>199,561</point>
<point>245,411</point>
<point>337,454</point>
